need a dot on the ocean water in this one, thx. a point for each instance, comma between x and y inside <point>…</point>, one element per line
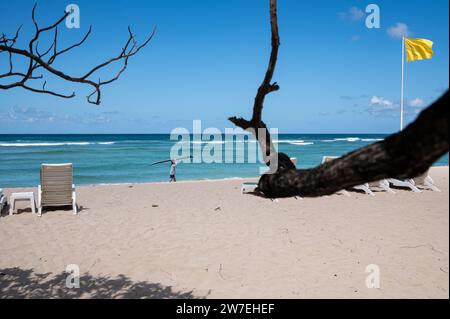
<point>104,159</point>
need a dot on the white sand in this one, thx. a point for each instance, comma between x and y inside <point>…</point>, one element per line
<point>205,239</point>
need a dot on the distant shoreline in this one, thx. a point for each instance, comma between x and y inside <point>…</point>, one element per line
<point>187,181</point>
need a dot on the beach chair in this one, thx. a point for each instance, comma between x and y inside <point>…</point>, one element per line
<point>3,200</point>
<point>382,185</point>
<point>364,188</point>
<point>248,187</point>
<point>404,183</point>
<point>423,181</point>
<point>56,188</point>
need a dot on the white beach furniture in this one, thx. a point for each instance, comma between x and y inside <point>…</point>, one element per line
<point>248,187</point>
<point>3,200</point>
<point>406,183</point>
<point>382,185</point>
<point>57,188</point>
<point>423,181</point>
<point>367,187</point>
<point>29,196</point>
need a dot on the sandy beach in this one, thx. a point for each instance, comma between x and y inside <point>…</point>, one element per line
<point>206,240</point>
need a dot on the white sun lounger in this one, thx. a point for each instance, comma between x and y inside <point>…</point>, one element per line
<point>3,200</point>
<point>248,187</point>
<point>425,181</point>
<point>367,187</point>
<point>406,183</point>
<point>56,188</point>
<point>383,185</point>
<point>422,181</point>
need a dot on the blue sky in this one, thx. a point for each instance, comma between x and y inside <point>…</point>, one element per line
<point>208,58</point>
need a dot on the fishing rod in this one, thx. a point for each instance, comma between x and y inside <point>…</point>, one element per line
<point>169,160</point>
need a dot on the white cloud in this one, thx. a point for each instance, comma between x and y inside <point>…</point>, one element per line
<point>417,103</point>
<point>379,101</point>
<point>399,30</point>
<point>381,106</point>
<point>353,14</point>
<point>27,114</point>
<point>31,115</point>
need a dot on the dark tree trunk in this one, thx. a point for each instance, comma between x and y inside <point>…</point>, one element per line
<point>403,155</point>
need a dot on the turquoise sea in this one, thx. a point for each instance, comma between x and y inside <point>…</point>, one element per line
<point>100,159</point>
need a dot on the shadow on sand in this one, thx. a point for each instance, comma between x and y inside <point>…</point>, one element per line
<point>25,283</point>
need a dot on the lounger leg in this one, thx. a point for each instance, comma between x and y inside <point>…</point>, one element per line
<point>384,185</point>
<point>74,203</point>
<point>412,185</point>
<point>366,189</point>
<point>39,201</point>
<point>430,183</point>
<point>369,192</point>
<point>33,206</point>
<point>11,206</point>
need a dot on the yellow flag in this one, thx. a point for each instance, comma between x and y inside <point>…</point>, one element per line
<point>418,49</point>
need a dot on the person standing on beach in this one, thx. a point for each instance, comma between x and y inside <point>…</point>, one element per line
<point>173,165</point>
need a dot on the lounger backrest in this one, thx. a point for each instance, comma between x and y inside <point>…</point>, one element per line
<point>56,184</point>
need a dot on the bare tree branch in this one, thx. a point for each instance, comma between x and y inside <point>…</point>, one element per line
<point>38,60</point>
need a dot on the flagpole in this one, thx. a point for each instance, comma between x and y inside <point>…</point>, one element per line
<point>403,84</point>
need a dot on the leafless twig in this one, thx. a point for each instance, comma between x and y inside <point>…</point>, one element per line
<point>38,60</point>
